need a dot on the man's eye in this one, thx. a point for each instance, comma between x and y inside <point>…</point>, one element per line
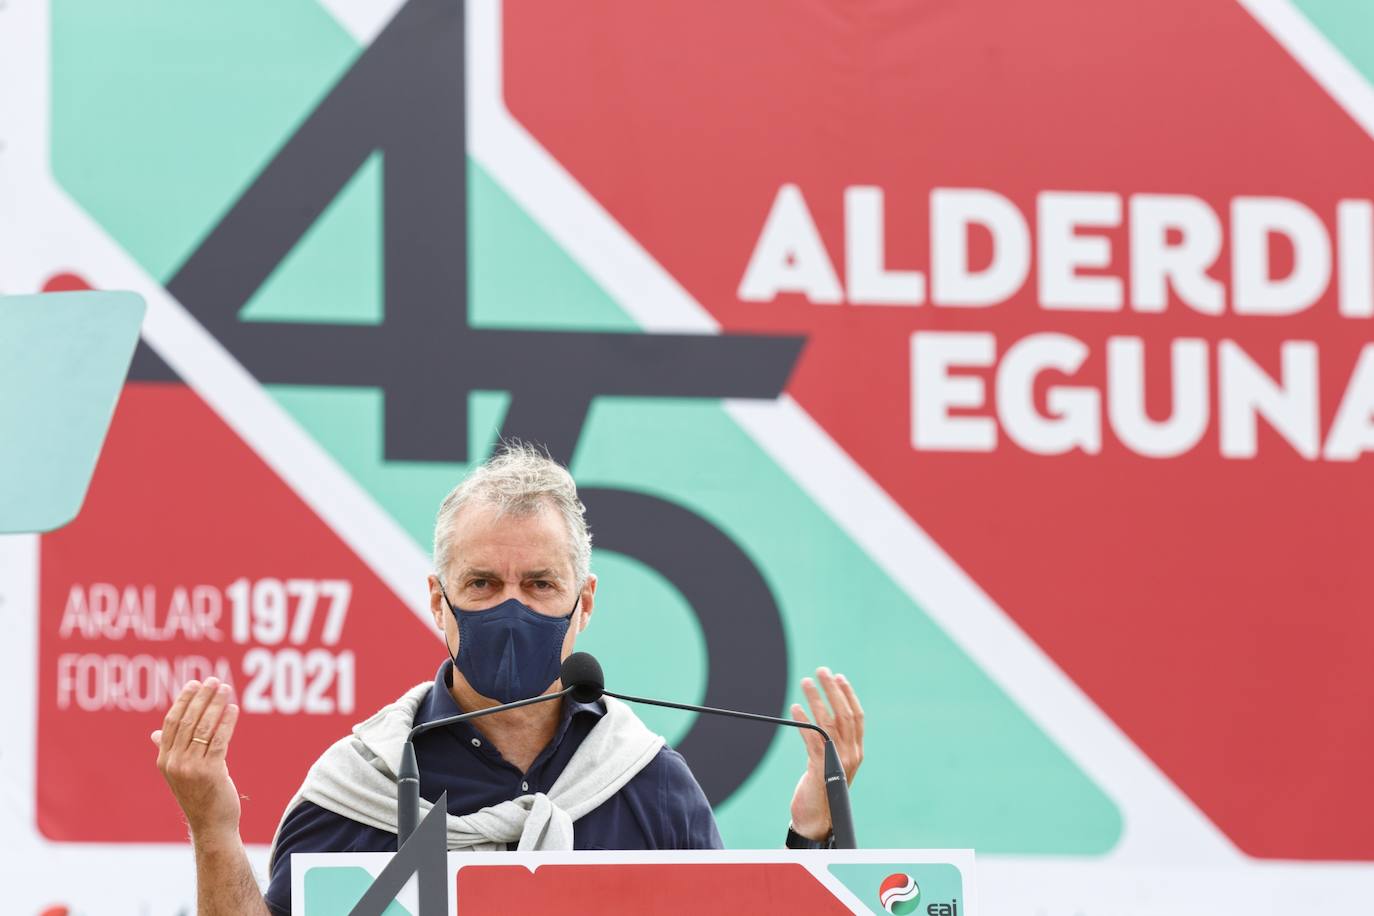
<point>479,583</point>
<point>542,585</point>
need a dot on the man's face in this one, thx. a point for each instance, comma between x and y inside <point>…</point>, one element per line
<point>496,557</point>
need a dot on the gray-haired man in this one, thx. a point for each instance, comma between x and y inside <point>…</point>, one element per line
<point>511,591</point>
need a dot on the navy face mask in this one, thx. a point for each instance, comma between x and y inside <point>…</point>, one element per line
<point>509,652</point>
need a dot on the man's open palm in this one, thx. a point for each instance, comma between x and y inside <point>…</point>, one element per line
<point>843,720</point>
<point>191,749</point>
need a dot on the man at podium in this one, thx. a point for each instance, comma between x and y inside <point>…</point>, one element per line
<point>511,591</point>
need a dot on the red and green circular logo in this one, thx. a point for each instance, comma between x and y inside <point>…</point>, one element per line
<point>899,894</point>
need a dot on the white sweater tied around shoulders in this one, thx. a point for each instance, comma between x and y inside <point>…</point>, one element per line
<point>356,778</point>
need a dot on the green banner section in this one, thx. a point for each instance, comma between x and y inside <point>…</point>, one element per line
<point>331,890</point>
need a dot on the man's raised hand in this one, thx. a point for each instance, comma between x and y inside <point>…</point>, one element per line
<point>843,721</point>
<point>191,747</point>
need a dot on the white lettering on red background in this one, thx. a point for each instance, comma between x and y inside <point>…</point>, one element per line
<point>973,390</point>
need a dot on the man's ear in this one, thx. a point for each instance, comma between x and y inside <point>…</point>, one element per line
<point>586,602</point>
<point>436,602</point>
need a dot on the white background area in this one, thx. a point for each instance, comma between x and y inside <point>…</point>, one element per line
<point>1171,858</point>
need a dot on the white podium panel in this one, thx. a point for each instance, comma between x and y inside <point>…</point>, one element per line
<point>931,882</point>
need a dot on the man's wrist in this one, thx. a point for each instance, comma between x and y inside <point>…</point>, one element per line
<point>797,839</point>
<point>216,841</point>
<point>811,830</point>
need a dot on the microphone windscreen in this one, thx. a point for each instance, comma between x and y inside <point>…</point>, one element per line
<point>582,672</point>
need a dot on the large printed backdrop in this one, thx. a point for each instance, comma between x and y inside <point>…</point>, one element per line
<point>1089,311</point>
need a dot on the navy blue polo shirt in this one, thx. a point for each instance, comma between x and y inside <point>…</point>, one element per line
<point>662,807</point>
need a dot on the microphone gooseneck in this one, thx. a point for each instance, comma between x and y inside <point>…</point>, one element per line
<point>407,794</point>
<point>836,782</point>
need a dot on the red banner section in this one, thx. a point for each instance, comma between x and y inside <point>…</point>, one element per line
<point>1087,288</point>
<point>169,574</point>
<point>784,887</point>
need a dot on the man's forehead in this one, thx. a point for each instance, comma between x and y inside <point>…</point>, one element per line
<point>487,539</point>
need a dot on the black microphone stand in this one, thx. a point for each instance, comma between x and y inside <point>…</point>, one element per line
<point>836,783</point>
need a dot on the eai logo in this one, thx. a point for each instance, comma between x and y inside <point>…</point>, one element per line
<point>899,894</point>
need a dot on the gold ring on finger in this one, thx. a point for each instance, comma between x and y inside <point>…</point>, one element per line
<point>200,740</point>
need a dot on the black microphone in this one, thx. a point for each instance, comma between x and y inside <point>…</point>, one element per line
<point>581,674</point>
<point>583,678</point>
<point>573,674</point>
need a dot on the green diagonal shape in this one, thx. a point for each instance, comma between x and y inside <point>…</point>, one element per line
<point>331,890</point>
<point>1347,24</point>
<point>334,274</point>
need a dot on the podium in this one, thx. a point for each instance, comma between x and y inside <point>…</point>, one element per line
<point>928,882</point>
